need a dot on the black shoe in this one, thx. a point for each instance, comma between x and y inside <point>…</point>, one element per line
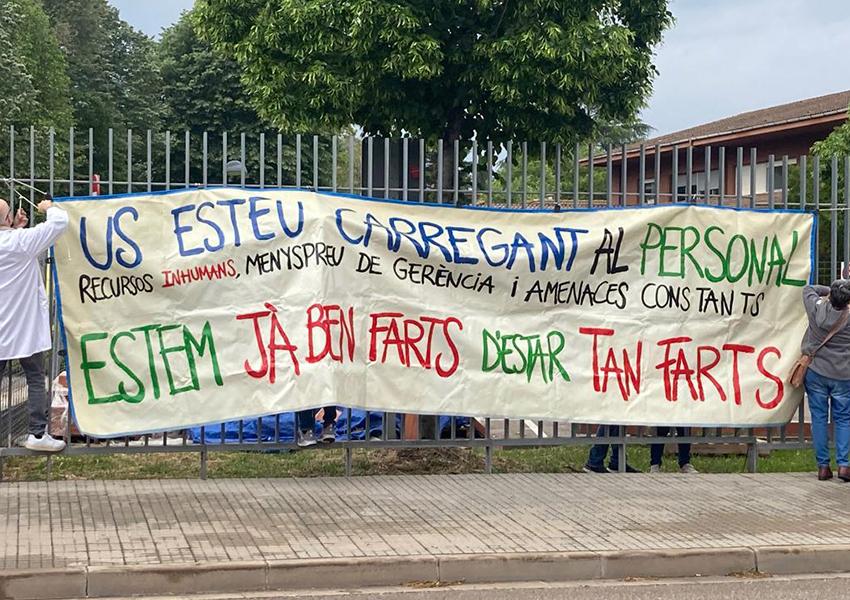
<point>595,469</point>
<point>629,469</point>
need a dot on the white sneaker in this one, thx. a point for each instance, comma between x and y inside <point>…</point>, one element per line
<point>328,433</point>
<point>654,468</point>
<point>306,438</point>
<point>45,443</point>
<point>688,468</point>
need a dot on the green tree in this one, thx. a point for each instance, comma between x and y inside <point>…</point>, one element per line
<point>32,70</point>
<point>202,92</point>
<point>536,69</point>
<point>114,82</point>
<point>113,72</point>
<point>837,143</point>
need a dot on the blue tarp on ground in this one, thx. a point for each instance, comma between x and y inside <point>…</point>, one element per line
<point>266,433</point>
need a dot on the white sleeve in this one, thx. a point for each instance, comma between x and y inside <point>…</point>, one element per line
<point>35,240</point>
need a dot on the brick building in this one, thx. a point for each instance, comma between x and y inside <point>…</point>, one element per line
<point>783,133</point>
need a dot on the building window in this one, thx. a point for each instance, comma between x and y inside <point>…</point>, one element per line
<point>778,179</point>
<point>649,190</point>
<point>761,174</point>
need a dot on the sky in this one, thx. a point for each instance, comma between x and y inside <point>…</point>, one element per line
<point>721,57</point>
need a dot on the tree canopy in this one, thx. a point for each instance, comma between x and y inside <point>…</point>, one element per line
<point>202,89</point>
<point>536,69</point>
<point>32,70</point>
<point>837,143</point>
<point>115,79</point>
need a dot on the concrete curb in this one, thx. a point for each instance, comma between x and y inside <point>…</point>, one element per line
<point>236,577</point>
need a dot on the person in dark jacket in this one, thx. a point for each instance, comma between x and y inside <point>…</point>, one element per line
<point>827,379</point>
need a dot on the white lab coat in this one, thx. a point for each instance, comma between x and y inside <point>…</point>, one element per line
<point>24,311</point>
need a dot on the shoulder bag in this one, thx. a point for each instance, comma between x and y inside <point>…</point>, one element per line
<point>798,371</point>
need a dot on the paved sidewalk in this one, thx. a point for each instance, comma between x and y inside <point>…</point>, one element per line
<point>186,523</point>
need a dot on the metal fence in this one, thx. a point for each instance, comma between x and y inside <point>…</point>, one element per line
<point>510,174</point>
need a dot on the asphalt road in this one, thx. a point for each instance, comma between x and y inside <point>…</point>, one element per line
<point>725,588</point>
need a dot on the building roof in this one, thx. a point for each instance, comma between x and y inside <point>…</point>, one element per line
<point>801,110</point>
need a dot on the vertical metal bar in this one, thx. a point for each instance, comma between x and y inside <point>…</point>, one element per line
<point>576,179</point>
<point>224,176</point>
<point>675,173</point>
<point>833,220</point>
<point>510,173</point>
<point>440,171</point>
<point>785,181</point>
<point>71,161</point>
<point>351,163</point>
<point>689,173</point>
<point>739,178</point>
<point>657,165</point>
<point>203,470</point>
<point>642,176</point>
<point>32,172</point>
<point>707,171</point>
<point>421,169</point>
<point>455,174</point>
<point>12,207</point>
<point>489,173</point>
<point>524,174</point>
<point>405,167</point>
<point>316,162</point>
<point>51,143</point>
<point>91,161</point>
<point>279,161</point>
<point>148,157</point>
<point>205,158</point>
<point>623,175</point>
<point>387,167</point>
<point>558,174</point>
<point>590,175</point>
<point>753,165</point>
<point>262,161</point>
<point>32,165</point>
<point>243,167</point>
<point>334,160</point>
<point>542,174</point>
<point>846,272</point>
<point>187,158</point>
<point>803,181</point>
<point>369,145</point>
<point>770,182</point>
<point>816,202</point>
<point>721,174</point>
<point>298,160</point>
<point>167,173</point>
<point>609,177</point>
<point>474,197</point>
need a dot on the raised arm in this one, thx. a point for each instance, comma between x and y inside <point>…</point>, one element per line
<point>36,240</point>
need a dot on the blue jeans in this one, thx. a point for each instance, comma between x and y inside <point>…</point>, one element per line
<point>598,452</point>
<point>37,403</point>
<point>305,420</point>
<point>656,451</point>
<point>820,390</point>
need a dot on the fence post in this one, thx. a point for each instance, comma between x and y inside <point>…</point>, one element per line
<point>348,458</point>
<point>620,449</point>
<point>752,457</point>
<point>203,472</point>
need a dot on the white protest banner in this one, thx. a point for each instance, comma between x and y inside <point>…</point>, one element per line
<point>202,306</point>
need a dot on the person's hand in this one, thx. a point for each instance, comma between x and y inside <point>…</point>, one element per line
<point>44,205</point>
<point>21,219</point>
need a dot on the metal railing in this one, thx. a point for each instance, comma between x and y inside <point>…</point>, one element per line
<point>510,174</point>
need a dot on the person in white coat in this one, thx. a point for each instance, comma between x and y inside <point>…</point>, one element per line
<point>24,314</point>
